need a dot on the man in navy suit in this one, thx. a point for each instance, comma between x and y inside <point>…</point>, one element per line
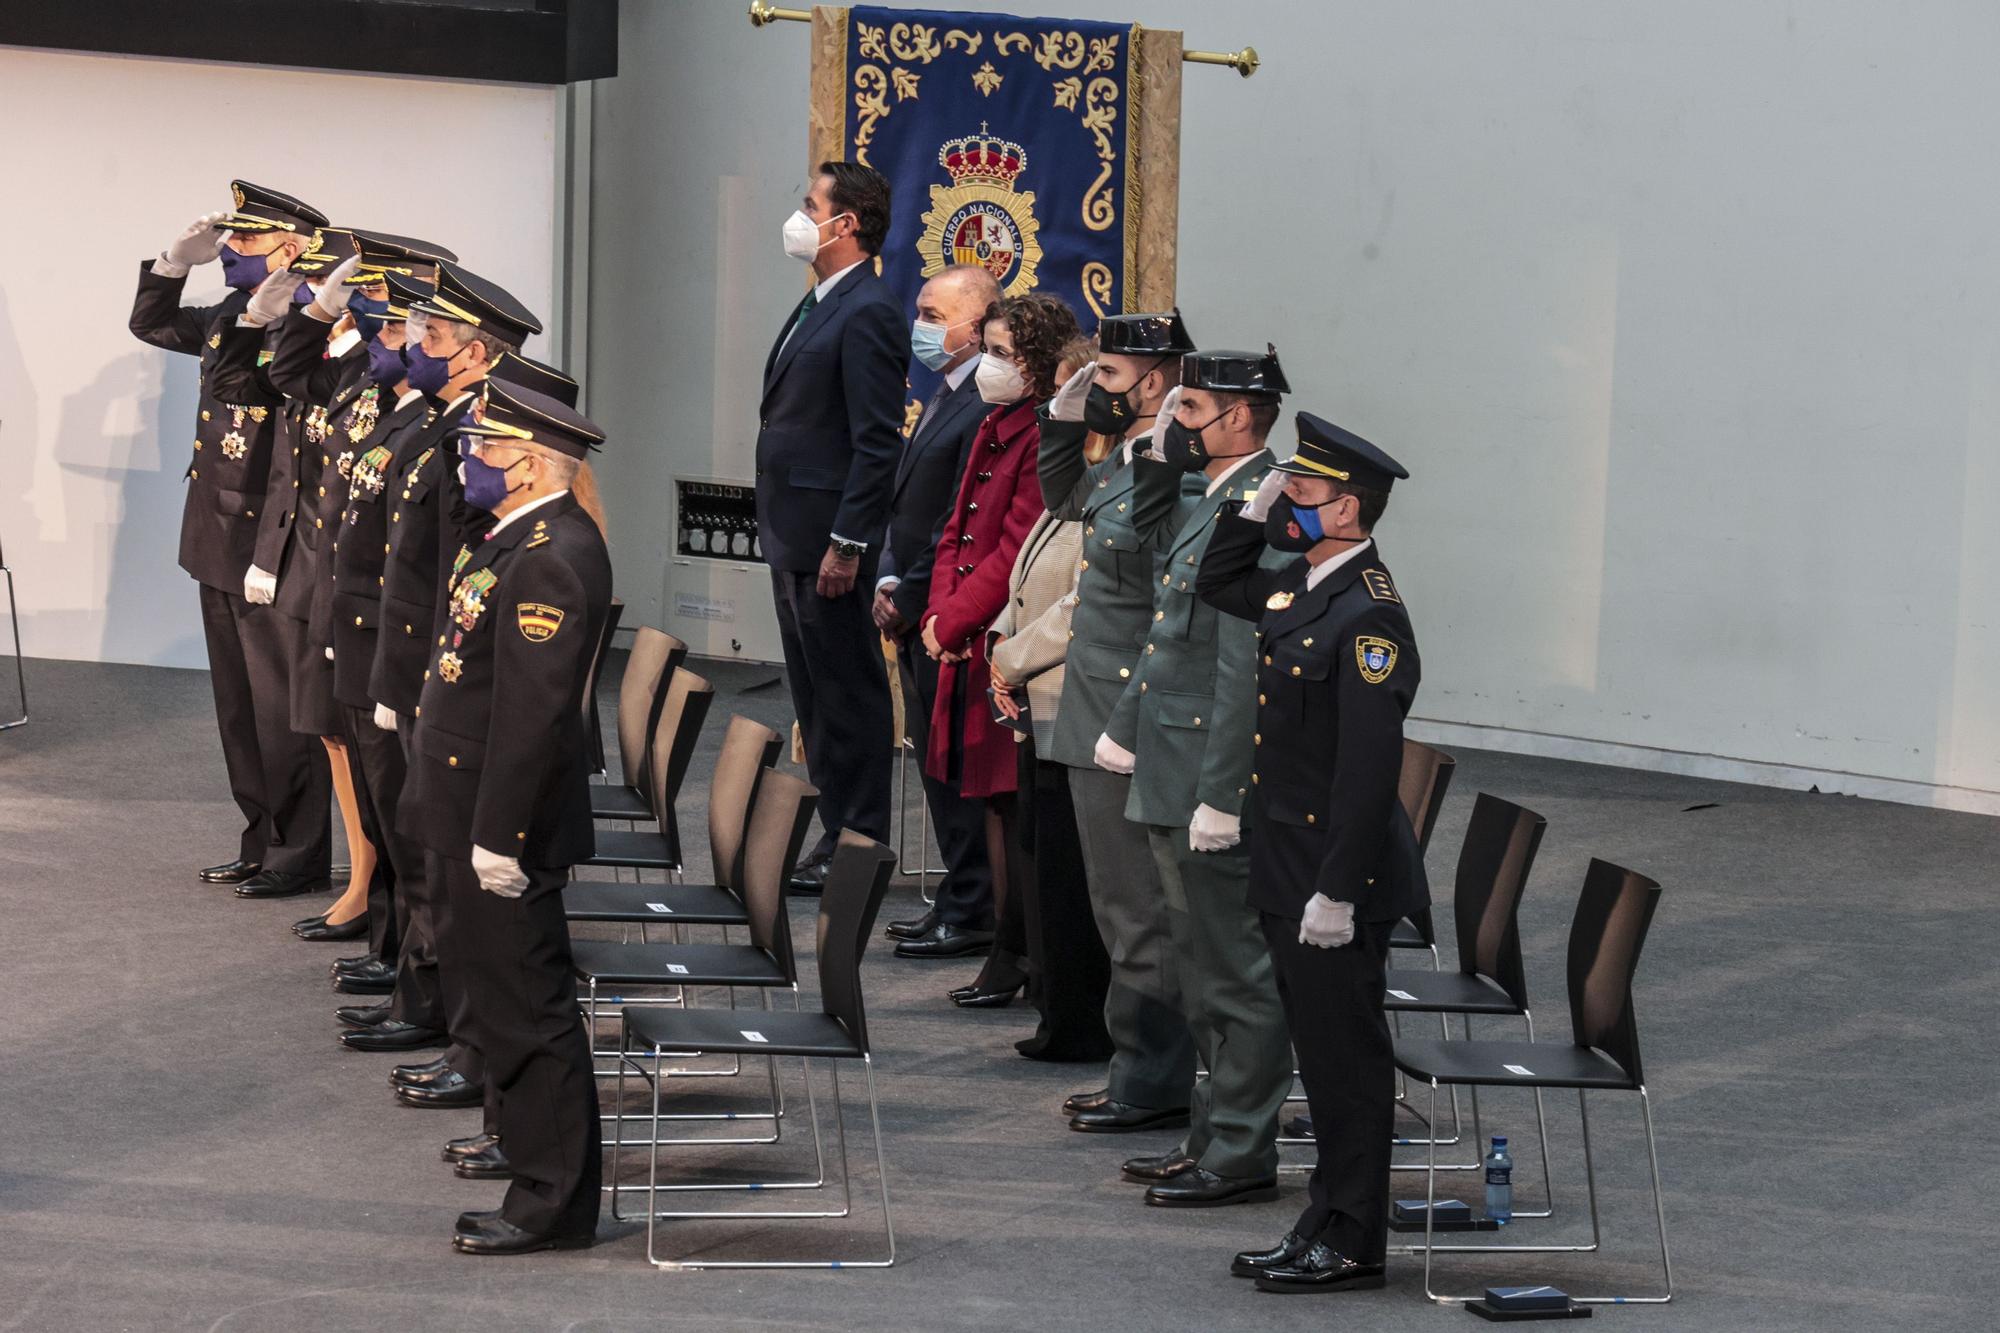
<point>950,312</point>
<point>829,433</point>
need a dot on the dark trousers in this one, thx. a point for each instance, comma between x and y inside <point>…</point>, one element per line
<point>833,662</point>
<point>1069,972</point>
<point>279,778</point>
<point>965,898</point>
<point>376,758</point>
<point>1333,1006</point>
<point>514,955</point>
<point>431,977</point>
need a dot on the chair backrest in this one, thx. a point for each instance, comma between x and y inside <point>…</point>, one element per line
<point>1493,865</point>
<point>1612,917</point>
<point>646,669</point>
<point>749,750</point>
<point>778,824</point>
<point>674,737</point>
<point>593,720</point>
<point>855,883</point>
<point>1421,785</point>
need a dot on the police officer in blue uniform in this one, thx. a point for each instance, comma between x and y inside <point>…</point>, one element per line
<point>1335,862</point>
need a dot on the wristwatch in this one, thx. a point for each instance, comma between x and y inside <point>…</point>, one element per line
<point>847,550</point>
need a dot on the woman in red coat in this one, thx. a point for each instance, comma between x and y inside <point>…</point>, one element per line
<point>999,499</point>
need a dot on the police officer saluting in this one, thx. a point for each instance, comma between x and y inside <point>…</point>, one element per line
<point>1334,862</point>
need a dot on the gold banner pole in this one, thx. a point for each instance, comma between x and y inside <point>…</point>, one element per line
<point>1244,62</point>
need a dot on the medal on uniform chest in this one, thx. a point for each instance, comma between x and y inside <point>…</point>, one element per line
<point>468,599</point>
<point>315,425</point>
<point>450,668</point>
<point>367,474</point>
<point>234,446</point>
<point>345,464</point>
<point>1278,601</point>
<point>457,562</point>
<point>363,412</point>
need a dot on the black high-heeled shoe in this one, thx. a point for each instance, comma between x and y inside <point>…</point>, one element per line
<point>322,932</point>
<point>985,994</point>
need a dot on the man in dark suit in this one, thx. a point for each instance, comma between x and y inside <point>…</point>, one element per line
<point>828,437</point>
<point>1335,862</point>
<point>946,339</point>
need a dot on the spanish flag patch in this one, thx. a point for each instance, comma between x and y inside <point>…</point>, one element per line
<point>538,621</point>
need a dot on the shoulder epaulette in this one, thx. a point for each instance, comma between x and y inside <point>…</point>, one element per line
<point>1378,585</point>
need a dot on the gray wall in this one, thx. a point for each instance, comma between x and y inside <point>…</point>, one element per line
<point>1683,316</point>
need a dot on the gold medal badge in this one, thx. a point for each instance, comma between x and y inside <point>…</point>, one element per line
<point>1278,601</point>
<point>234,446</point>
<point>450,668</point>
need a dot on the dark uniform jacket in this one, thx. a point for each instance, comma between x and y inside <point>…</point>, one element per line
<point>1337,672</point>
<point>229,468</point>
<point>927,479</point>
<point>293,523</point>
<point>420,503</point>
<point>360,550</point>
<point>499,750</point>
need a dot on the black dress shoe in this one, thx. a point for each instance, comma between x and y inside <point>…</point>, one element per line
<point>979,997</point>
<point>489,1163</point>
<point>1085,1101</point>
<point>324,932</point>
<point>348,964</point>
<point>1152,1170</point>
<point>496,1235</point>
<point>443,1092</point>
<point>1109,1117</point>
<point>469,1147</point>
<point>1298,1127</point>
<point>809,880</point>
<point>379,979</point>
<point>1083,1051</point>
<point>911,929</point>
<point>1198,1187</point>
<point>1321,1268</point>
<point>466,1220</point>
<point>363,1015</point>
<point>946,941</point>
<point>1252,1263</point>
<point>230,872</point>
<point>392,1035</point>
<point>282,884</point>
<point>415,1076</point>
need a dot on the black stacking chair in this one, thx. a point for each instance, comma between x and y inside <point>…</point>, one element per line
<point>1612,918</point>
<point>1425,777</point>
<point>674,737</point>
<point>1493,866</point>
<point>592,718</point>
<point>642,693</point>
<point>855,884</point>
<point>749,750</point>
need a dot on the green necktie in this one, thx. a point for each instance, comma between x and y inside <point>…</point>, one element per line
<point>806,307</point>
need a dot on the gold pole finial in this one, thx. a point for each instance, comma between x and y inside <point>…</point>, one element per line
<point>762,13</point>
<point>1244,62</point>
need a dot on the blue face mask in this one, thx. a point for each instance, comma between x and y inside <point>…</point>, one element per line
<point>1293,527</point>
<point>385,364</point>
<point>244,272</point>
<point>303,294</point>
<point>368,314</point>
<point>485,485</point>
<point>927,344</point>
<point>428,374</point>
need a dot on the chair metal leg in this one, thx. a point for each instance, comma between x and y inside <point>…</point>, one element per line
<point>20,664</point>
<point>654,1188</point>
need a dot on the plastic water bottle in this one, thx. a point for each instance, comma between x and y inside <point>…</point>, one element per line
<point>1500,1182</point>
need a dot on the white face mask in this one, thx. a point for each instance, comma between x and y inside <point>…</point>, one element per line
<point>1000,381</point>
<point>802,240</point>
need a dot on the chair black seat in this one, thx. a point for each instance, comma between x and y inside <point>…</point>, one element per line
<point>643,849</point>
<point>608,802</point>
<point>696,904</point>
<point>1445,993</point>
<point>656,964</point>
<point>721,1031</point>
<point>1549,1064</point>
<point>1405,936</point>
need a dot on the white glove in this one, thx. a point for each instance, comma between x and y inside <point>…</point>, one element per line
<point>272,300</point>
<point>1213,831</point>
<point>199,244</point>
<point>1067,405</point>
<point>1113,757</point>
<point>1260,504</point>
<point>1327,924</point>
<point>259,586</point>
<point>498,874</point>
<point>385,716</point>
<point>333,288</point>
<point>1156,438</point>
<point>329,652</point>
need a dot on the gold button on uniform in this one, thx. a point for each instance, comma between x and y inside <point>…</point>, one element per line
<point>357,620</point>
<point>1308,643</point>
<point>1267,659</point>
<point>1257,738</point>
<point>1159,615</point>
<point>1149,649</point>
<point>1260,700</point>
<point>1124,673</point>
<point>453,761</point>
<point>1295,671</point>
<point>1312,819</point>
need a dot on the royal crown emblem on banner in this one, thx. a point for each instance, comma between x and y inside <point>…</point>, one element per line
<point>980,218</point>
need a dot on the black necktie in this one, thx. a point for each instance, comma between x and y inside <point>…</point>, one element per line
<point>930,408</point>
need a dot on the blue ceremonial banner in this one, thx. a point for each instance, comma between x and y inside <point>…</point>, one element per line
<point>1007,143</point>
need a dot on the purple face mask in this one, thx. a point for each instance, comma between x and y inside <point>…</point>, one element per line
<point>385,364</point>
<point>485,485</point>
<point>244,272</point>
<point>428,374</point>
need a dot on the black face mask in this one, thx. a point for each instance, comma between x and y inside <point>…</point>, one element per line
<point>1185,447</point>
<point>1110,413</point>
<point>1290,527</point>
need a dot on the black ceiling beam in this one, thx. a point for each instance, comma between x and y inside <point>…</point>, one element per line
<point>529,41</point>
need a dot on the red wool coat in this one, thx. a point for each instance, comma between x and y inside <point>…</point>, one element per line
<point>999,499</point>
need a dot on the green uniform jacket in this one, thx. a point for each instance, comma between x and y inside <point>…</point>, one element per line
<point>1191,705</point>
<point>1114,586</point>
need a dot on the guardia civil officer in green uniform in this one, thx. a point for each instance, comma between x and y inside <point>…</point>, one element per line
<point>1335,862</point>
<point>1119,395</point>
<point>1183,729</point>
<point>499,796</point>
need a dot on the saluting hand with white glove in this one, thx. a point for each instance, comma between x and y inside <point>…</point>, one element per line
<point>498,874</point>
<point>1213,831</point>
<point>1067,405</point>
<point>1156,438</point>
<point>199,244</point>
<point>260,586</point>
<point>1113,757</point>
<point>330,302</point>
<point>1327,924</point>
<point>1260,504</point>
<point>272,300</point>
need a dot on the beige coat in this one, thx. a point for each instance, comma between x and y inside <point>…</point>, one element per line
<point>1040,593</point>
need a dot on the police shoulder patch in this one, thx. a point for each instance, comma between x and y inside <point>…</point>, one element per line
<point>538,621</point>
<point>1378,585</point>
<point>1376,658</point>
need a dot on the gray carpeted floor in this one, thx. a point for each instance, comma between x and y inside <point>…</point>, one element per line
<point>185,1147</point>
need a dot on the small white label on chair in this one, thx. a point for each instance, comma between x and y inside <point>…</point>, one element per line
<point>660,907</point>
<point>1521,1070</point>
<point>677,969</point>
<point>753,1036</point>
<point>1403,995</point>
